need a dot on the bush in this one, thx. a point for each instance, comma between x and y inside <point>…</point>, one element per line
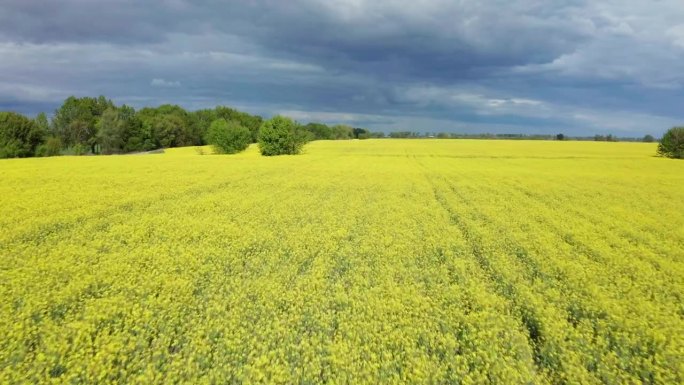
<point>19,135</point>
<point>41,150</point>
<point>672,143</point>
<point>648,139</point>
<point>51,147</point>
<point>228,137</point>
<point>281,136</point>
<point>77,149</point>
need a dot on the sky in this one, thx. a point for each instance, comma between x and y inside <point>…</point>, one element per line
<point>578,67</point>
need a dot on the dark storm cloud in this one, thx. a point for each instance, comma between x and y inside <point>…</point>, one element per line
<point>440,39</point>
<point>524,65</point>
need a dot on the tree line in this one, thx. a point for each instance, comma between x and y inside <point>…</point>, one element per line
<point>89,125</point>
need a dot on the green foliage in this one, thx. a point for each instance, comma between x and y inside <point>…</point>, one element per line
<point>319,131</point>
<point>341,132</point>
<point>111,132</point>
<point>251,122</point>
<point>42,122</point>
<point>403,134</point>
<point>281,136</point>
<point>19,135</point>
<point>672,143</point>
<point>76,121</point>
<point>201,120</point>
<point>166,126</point>
<point>560,137</point>
<point>228,137</point>
<point>53,146</point>
<point>78,149</point>
<point>648,139</point>
<point>361,133</point>
<point>119,130</point>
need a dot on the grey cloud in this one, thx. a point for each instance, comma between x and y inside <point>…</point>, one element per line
<point>521,65</point>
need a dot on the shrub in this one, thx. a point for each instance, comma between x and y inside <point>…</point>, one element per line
<point>19,135</point>
<point>672,143</point>
<point>41,151</point>
<point>228,137</point>
<point>78,149</point>
<point>53,146</point>
<point>281,136</point>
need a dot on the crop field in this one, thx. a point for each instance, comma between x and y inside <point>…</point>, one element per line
<point>358,262</point>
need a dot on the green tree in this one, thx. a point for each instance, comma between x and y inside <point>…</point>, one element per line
<point>201,120</point>
<point>280,136</point>
<point>76,121</point>
<point>228,137</point>
<point>42,122</point>
<point>167,126</point>
<point>53,146</point>
<point>341,132</point>
<point>19,135</point>
<point>119,130</point>
<point>361,133</point>
<point>111,131</point>
<point>672,143</point>
<point>648,139</point>
<point>252,122</point>
<point>560,137</point>
<point>319,131</point>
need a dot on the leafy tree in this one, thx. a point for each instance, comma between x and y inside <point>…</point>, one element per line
<point>319,131</point>
<point>228,137</point>
<point>252,122</point>
<point>403,134</point>
<point>76,121</point>
<point>42,122</point>
<point>648,139</point>
<point>342,131</point>
<point>53,146</point>
<point>167,126</point>
<point>19,135</point>
<point>111,131</point>
<point>280,136</point>
<point>560,137</point>
<point>201,120</point>
<point>119,130</point>
<point>361,133</point>
<point>672,143</point>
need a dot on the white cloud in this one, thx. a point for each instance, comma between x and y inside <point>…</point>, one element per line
<point>475,99</point>
<point>158,82</point>
<point>488,102</point>
<point>631,42</point>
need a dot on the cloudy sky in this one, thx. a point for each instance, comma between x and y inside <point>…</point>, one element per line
<point>581,67</point>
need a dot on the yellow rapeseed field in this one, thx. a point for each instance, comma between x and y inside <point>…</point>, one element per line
<point>358,262</point>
